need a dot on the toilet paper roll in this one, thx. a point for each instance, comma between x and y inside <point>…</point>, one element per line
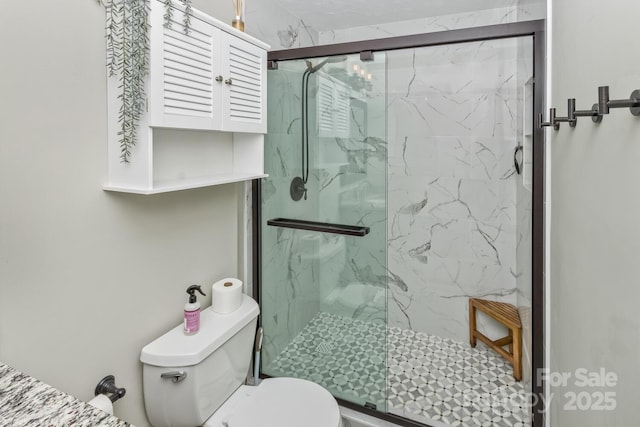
<point>226,295</point>
<point>103,403</point>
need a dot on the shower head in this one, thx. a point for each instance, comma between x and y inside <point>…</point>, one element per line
<point>330,60</point>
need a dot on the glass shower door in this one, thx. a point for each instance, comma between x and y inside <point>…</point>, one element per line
<point>460,205</point>
<point>324,226</point>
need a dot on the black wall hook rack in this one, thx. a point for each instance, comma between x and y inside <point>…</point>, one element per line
<point>553,122</point>
<point>571,113</point>
<point>597,111</point>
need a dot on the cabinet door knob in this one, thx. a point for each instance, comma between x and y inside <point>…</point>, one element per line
<point>219,78</point>
<point>228,82</point>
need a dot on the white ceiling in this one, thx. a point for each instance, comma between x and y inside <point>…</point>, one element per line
<point>323,15</point>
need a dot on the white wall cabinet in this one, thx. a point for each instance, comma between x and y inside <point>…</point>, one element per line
<point>206,109</point>
<point>334,107</point>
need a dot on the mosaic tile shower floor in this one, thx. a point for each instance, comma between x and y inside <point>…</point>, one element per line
<point>428,378</point>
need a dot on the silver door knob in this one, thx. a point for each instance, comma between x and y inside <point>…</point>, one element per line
<point>219,79</point>
<point>228,82</point>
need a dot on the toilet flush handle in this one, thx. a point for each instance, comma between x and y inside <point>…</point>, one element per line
<point>175,376</point>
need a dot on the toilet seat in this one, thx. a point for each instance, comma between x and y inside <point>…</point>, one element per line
<point>279,402</point>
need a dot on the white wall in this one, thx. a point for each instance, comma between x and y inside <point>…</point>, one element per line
<point>88,277</point>
<point>595,205</point>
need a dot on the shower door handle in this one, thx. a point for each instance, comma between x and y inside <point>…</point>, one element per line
<point>322,227</point>
<point>518,159</point>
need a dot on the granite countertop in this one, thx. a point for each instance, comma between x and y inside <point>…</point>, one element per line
<point>25,401</point>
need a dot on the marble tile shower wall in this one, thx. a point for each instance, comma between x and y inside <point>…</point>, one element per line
<point>353,175</point>
<point>289,294</point>
<point>269,22</point>
<point>274,25</point>
<point>518,11</point>
<point>453,126</point>
<point>308,272</point>
<point>452,177</point>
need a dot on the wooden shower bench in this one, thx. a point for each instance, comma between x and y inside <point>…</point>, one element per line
<point>506,314</point>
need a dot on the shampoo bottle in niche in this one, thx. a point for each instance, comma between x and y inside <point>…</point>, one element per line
<point>192,311</point>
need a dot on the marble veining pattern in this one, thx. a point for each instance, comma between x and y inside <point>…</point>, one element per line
<point>302,270</point>
<point>268,21</point>
<point>336,14</point>
<point>426,162</point>
<point>454,121</point>
<point>441,197</point>
<point>517,11</point>
<point>25,401</point>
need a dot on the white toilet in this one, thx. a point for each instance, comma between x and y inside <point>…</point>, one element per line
<point>198,380</point>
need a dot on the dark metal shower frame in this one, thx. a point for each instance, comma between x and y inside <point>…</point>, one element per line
<point>534,29</point>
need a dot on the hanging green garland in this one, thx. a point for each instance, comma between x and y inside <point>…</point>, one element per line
<point>127,36</point>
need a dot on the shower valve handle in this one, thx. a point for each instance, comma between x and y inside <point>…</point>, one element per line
<point>298,189</point>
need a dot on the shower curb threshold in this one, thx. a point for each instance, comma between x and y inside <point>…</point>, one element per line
<point>353,418</point>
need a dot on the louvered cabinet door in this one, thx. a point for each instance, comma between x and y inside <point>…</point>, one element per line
<point>326,100</point>
<point>334,107</point>
<point>184,66</point>
<point>245,78</point>
<point>342,111</point>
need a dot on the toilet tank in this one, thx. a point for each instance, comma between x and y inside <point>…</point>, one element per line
<point>186,378</point>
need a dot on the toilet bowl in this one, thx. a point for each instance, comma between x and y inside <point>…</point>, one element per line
<point>198,380</point>
<point>281,402</point>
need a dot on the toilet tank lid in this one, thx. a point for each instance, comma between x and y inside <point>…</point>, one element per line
<point>175,349</point>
